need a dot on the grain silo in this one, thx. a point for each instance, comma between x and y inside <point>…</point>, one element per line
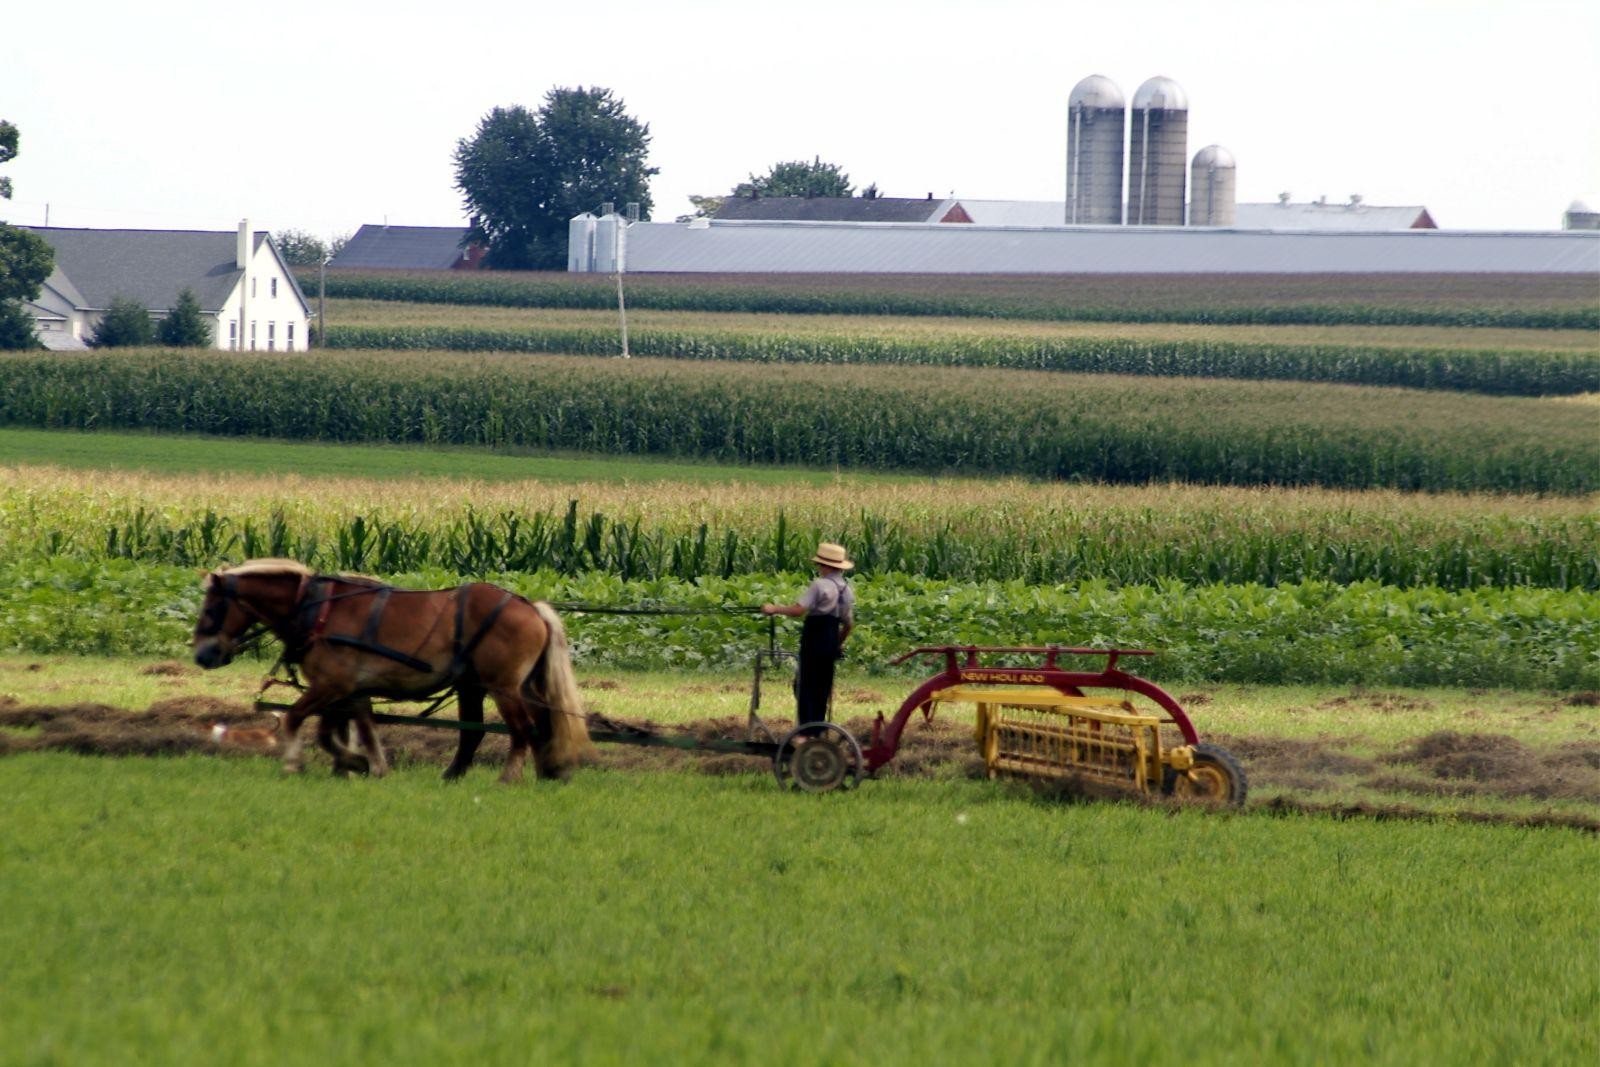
<point>1581,215</point>
<point>1158,154</point>
<point>1211,187</point>
<point>1096,118</point>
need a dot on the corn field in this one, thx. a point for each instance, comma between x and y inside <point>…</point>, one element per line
<point>1507,373</point>
<point>955,531</point>
<point>1096,428</point>
<point>1490,300</point>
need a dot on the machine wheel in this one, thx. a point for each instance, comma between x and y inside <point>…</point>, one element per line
<point>1216,778</point>
<point>818,757</point>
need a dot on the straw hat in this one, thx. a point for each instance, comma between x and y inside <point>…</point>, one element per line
<point>832,555</point>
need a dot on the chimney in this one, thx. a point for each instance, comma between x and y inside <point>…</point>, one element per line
<point>243,257</point>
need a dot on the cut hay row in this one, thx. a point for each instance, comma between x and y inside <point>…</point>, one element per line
<point>1508,373</point>
<point>1053,426</point>
<point>1491,300</point>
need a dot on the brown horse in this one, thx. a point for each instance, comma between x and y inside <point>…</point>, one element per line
<point>354,638</point>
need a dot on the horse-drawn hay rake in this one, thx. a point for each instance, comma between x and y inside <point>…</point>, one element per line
<point>1037,721</point>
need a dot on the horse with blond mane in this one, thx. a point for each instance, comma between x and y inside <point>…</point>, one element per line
<point>354,638</point>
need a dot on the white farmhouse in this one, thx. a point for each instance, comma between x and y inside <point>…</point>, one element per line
<point>248,294</point>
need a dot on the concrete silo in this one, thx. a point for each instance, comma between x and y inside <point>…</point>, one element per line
<point>1581,215</point>
<point>1158,154</point>
<point>1211,187</point>
<point>1096,118</point>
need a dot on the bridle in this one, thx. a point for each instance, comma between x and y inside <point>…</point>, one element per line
<point>213,618</point>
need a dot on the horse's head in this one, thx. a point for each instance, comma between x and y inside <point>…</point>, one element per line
<point>238,601</point>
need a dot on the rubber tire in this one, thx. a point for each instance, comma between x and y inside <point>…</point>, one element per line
<point>1218,759</point>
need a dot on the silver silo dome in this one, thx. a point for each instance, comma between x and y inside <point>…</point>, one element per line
<point>1211,187</point>
<point>1096,117</point>
<point>1581,214</point>
<point>1158,151</point>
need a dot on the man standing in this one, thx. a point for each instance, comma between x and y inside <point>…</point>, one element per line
<point>828,607</point>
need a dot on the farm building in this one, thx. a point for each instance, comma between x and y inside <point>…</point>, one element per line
<point>409,248</point>
<point>237,277</point>
<point>841,209</point>
<point>728,246</point>
<point>1354,215</point>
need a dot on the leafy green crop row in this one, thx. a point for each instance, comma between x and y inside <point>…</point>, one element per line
<point>1122,547</point>
<point>1061,300</point>
<point>1309,632</point>
<point>1531,373</point>
<point>1094,428</point>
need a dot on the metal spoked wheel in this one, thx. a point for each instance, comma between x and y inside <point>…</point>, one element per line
<point>818,757</point>
<point>1216,778</point>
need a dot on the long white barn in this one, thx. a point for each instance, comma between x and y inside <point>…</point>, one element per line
<point>767,247</point>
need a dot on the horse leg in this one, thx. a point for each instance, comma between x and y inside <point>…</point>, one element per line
<point>375,760</point>
<point>310,702</point>
<point>544,763</point>
<point>470,701</point>
<point>515,714</point>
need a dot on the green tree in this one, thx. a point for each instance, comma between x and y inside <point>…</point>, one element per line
<point>8,152</point>
<point>798,178</point>
<point>299,248</point>
<point>25,262</point>
<point>523,175</point>
<point>185,325</point>
<point>127,323</point>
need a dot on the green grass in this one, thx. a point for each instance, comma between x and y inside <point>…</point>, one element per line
<point>204,911</point>
<point>199,454</point>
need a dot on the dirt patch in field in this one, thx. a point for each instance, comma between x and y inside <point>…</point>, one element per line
<point>1442,764</point>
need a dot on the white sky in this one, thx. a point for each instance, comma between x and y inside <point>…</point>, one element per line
<point>320,116</point>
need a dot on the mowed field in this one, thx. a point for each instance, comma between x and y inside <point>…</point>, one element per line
<point>1411,679</point>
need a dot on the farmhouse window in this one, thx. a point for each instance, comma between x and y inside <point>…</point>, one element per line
<point>288,338</point>
<point>252,335</point>
<point>274,287</point>
<point>272,337</point>
<point>233,334</point>
<point>252,287</point>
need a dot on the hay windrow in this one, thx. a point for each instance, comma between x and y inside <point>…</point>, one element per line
<point>1444,764</point>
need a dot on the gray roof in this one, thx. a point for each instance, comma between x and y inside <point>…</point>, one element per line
<point>150,266</point>
<point>1349,216</point>
<point>887,248</point>
<point>402,248</point>
<point>832,209</point>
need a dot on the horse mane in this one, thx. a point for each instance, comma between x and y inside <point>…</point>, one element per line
<point>269,567</point>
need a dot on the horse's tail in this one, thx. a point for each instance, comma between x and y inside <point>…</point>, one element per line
<point>556,687</point>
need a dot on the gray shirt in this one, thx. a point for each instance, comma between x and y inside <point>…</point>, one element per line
<point>830,594</point>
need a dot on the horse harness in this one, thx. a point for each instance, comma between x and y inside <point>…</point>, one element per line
<point>314,603</point>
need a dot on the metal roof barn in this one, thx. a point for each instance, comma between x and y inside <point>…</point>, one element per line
<point>933,248</point>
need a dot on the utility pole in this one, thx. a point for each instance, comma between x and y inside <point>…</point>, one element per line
<point>322,302</point>
<point>622,306</point>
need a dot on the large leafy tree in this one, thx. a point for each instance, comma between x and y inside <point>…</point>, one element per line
<point>302,249</point>
<point>25,262</point>
<point>523,175</point>
<point>798,178</point>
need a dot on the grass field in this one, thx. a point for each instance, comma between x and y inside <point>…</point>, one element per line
<point>211,456</point>
<point>204,911</point>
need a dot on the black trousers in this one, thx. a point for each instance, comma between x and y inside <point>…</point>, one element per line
<point>819,650</point>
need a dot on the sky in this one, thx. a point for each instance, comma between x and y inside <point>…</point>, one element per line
<point>321,117</point>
